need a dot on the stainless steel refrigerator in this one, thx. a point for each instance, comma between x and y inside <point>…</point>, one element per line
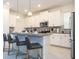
<point>72,34</point>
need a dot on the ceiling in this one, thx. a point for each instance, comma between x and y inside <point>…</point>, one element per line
<point>45,4</point>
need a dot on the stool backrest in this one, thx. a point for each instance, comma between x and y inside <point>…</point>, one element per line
<point>4,37</point>
<point>17,40</point>
<point>9,38</point>
<point>27,42</point>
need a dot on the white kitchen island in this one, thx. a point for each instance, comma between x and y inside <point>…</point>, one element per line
<point>56,40</point>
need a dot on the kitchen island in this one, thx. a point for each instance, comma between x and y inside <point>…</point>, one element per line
<point>48,39</point>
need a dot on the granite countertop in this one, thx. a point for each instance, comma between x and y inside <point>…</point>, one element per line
<point>33,34</point>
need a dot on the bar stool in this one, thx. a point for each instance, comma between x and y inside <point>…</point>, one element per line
<point>32,46</point>
<point>10,41</point>
<point>5,40</point>
<point>19,43</point>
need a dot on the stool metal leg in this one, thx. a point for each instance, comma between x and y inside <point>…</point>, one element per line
<point>37,53</point>
<point>41,53</point>
<point>9,49</point>
<point>28,54</point>
<point>17,51</point>
<point>39,56</point>
<point>4,46</point>
<point>12,46</point>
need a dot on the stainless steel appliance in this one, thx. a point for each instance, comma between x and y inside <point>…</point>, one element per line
<point>72,34</point>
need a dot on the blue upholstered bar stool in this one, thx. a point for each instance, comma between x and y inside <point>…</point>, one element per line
<point>10,41</point>
<point>32,46</point>
<point>19,43</point>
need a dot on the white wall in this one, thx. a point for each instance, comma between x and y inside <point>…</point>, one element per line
<point>19,24</point>
<point>6,19</point>
<point>12,21</point>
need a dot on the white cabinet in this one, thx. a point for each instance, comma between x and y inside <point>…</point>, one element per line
<point>44,16</point>
<point>67,20</point>
<point>51,19</point>
<point>60,40</point>
<point>55,18</point>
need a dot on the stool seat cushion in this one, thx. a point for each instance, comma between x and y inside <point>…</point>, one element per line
<point>34,46</point>
<point>12,41</point>
<point>20,43</point>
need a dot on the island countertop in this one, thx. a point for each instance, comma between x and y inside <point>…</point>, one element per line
<point>36,34</point>
<point>33,34</point>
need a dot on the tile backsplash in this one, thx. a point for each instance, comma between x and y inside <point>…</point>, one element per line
<point>66,31</point>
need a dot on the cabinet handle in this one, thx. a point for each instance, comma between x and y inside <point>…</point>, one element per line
<point>70,40</point>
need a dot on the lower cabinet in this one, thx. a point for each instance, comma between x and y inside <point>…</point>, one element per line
<point>61,40</point>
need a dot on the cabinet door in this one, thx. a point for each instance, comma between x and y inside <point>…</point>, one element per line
<point>65,40</point>
<point>55,39</point>
<point>51,19</point>
<point>60,40</point>
<point>55,18</point>
<point>67,16</point>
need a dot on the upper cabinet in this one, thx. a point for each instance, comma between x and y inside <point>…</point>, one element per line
<point>55,18</point>
<point>67,20</point>
<point>44,16</point>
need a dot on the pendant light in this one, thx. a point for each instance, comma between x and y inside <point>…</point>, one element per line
<point>30,11</point>
<point>17,11</point>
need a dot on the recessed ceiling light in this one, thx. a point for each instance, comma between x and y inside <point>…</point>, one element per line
<point>17,17</point>
<point>39,5</point>
<point>7,3</point>
<point>25,11</point>
<point>29,13</point>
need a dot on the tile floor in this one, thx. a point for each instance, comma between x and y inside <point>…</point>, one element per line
<point>54,53</point>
